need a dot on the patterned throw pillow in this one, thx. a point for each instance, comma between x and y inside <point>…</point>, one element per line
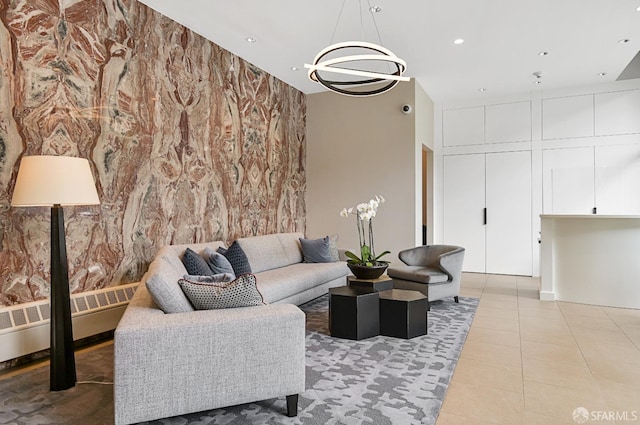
<point>217,262</point>
<point>316,250</point>
<point>195,264</point>
<point>237,258</point>
<point>241,292</point>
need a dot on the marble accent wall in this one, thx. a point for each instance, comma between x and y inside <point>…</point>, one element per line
<point>187,142</point>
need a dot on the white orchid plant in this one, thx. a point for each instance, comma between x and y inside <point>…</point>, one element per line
<point>365,213</point>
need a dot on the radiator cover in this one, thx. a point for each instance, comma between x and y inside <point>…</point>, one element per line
<point>24,328</point>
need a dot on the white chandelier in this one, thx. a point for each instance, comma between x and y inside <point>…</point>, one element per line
<point>357,68</point>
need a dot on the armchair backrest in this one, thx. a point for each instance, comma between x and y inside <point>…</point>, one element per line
<point>427,255</point>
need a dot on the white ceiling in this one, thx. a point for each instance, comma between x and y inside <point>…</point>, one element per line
<point>500,52</point>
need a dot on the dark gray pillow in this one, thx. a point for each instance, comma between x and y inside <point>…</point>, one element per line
<point>195,264</point>
<point>241,292</point>
<point>237,258</point>
<point>218,262</point>
<point>316,250</point>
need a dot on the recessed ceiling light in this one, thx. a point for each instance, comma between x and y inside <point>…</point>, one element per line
<point>543,53</point>
<point>482,90</point>
<point>602,74</point>
<point>624,41</point>
<point>638,9</point>
<point>537,82</point>
<point>458,41</point>
<point>375,9</point>
<point>251,39</point>
<point>295,68</point>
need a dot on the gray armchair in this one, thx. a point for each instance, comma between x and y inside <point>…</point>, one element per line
<point>434,270</point>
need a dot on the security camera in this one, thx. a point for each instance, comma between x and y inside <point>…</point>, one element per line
<point>406,109</point>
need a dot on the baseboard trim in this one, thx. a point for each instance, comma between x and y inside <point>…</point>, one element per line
<point>547,296</point>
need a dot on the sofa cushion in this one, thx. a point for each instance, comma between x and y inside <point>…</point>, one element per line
<point>269,252</point>
<point>238,259</point>
<point>162,283</point>
<point>417,274</point>
<point>217,262</point>
<point>241,292</point>
<point>264,252</point>
<point>291,246</point>
<point>316,250</point>
<point>195,264</point>
<point>283,282</point>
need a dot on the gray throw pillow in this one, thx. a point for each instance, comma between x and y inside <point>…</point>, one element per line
<point>216,278</point>
<point>195,264</point>
<point>237,258</point>
<point>167,294</point>
<point>218,262</point>
<point>316,250</point>
<point>241,292</point>
<point>333,247</point>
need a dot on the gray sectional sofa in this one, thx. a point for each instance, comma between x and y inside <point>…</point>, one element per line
<point>190,361</point>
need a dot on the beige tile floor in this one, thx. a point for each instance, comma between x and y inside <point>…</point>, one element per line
<point>530,362</point>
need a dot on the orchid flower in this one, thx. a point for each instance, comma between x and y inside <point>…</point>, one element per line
<point>365,212</point>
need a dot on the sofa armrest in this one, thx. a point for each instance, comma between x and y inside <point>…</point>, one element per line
<point>172,364</point>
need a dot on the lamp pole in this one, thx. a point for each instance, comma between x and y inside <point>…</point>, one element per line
<point>63,366</point>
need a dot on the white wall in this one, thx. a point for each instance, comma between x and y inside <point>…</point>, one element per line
<point>424,109</point>
<point>544,122</point>
<point>360,147</point>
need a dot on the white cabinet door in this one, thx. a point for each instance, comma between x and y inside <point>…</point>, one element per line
<point>509,122</point>
<point>464,201</point>
<point>509,232</point>
<point>557,123</point>
<point>568,181</point>
<point>617,175</point>
<point>463,126</point>
<point>617,112</point>
<point>501,182</point>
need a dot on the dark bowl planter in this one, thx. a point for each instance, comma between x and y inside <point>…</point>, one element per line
<point>366,272</point>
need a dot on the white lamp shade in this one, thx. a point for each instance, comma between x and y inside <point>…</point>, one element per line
<point>48,180</point>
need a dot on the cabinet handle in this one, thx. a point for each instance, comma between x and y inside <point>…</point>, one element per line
<point>484,216</point>
<point>594,211</point>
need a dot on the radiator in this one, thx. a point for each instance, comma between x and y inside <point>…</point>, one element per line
<point>24,328</point>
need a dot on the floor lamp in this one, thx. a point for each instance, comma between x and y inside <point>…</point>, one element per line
<point>56,181</point>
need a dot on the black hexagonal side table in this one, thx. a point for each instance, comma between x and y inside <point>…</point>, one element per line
<point>354,312</point>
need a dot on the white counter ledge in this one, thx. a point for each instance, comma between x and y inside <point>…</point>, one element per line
<point>591,259</point>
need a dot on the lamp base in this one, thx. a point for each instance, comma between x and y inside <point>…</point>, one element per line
<point>63,366</point>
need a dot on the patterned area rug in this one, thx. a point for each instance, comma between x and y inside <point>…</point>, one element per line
<point>380,380</point>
